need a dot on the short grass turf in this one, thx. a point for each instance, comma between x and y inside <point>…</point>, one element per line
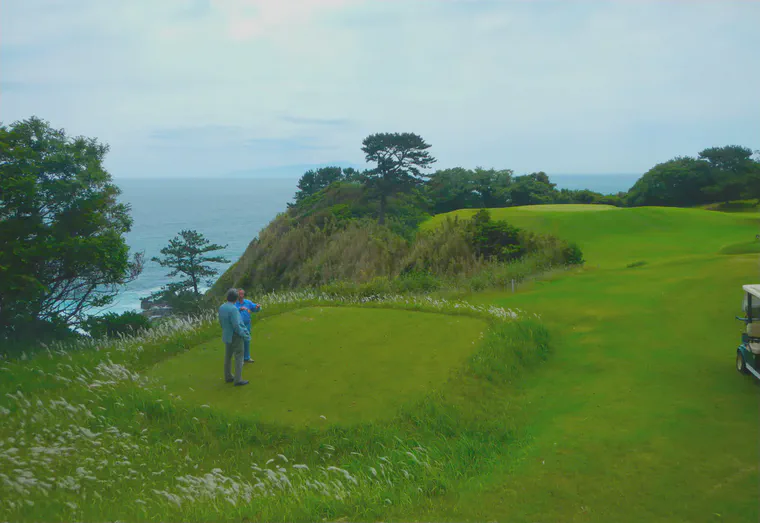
<point>640,414</point>
<point>346,364</point>
<point>614,237</point>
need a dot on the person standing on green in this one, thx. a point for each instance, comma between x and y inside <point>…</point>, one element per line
<point>246,307</point>
<point>233,335</point>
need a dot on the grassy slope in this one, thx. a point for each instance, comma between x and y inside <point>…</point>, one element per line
<point>348,364</point>
<point>617,237</point>
<point>640,415</point>
<point>637,416</point>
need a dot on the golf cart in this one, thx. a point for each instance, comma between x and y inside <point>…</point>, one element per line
<point>748,353</point>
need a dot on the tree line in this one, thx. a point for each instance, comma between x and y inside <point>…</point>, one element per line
<point>717,174</point>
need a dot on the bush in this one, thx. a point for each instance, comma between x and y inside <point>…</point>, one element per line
<point>114,325</point>
<point>573,254</point>
<point>380,286</point>
<point>417,282</point>
<point>496,240</point>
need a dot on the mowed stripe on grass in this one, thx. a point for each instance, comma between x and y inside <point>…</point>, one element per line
<point>346,364</point>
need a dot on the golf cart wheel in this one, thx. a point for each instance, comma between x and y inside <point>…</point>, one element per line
<point>741,365</point>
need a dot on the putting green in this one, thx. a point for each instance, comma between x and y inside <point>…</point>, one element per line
<point>567,207</point>
<point>617,239</point>
<point>346,364</point>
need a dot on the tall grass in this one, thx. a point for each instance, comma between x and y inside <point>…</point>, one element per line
<point>335,255</point>
<point>86,436</point>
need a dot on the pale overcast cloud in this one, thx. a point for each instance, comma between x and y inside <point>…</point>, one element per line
<point>209,87</point>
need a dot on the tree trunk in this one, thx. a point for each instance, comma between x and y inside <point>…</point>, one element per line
<point>381,217</point>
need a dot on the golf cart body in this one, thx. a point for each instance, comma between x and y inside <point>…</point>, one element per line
<point>748,353</point>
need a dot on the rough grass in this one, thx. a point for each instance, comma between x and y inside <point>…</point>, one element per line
<point>85,436</point>
<point>639,415</point>
<point>326,364</point>
<point>623,236</point>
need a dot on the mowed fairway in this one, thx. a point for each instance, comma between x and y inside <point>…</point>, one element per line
<point>640,414</point>
<point>613,237</point>
<point>346,364</point>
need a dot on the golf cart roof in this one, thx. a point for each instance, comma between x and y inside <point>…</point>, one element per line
<point>754,290</point>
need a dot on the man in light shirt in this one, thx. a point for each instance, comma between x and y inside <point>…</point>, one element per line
<point>246,308</point>
<point>234,334</point>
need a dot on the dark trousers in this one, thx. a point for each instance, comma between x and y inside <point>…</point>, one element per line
<point>234,350</point>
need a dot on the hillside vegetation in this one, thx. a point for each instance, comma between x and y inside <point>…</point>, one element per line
<point>622,404</point>
<point>320,249</point>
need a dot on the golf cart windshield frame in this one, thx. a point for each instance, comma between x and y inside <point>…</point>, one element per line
<point>751,301</point>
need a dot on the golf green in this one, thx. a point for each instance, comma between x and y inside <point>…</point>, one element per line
<point>328,365</point>
<point>612,237</point>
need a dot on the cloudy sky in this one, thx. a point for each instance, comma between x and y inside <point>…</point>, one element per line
<point>211,87</point>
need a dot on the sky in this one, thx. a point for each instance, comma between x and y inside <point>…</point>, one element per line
<point>213,87</point>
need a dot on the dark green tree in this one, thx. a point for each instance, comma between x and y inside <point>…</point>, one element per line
<point>495,239</point>
<point>452,189</point>
<point>459,188</point>
<point>491,185</point>
<point>314,181</point>
<point>399,159</point>
<point>734,173</point>
<point>677,182</point>
<point>186,254</point>
<point>718,174</point>
<point>530,189</point>
<point>62,246</point>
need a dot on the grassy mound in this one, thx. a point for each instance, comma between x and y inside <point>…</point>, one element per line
<point>623,236</point>
<point>346,364</point>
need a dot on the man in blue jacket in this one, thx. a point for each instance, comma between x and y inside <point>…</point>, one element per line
<point>233,335</point>
<point>246,307</point>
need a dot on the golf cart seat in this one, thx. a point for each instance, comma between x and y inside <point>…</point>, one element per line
<point>753,332</point>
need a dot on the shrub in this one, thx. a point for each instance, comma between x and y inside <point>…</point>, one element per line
<point>114,325</point>
<point>417,282</point>
<point>573,254</point>
<point>495,239</point>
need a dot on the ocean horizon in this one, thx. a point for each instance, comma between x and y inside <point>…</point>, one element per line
<point>232,211</point>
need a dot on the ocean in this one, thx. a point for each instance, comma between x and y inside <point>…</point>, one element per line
<point>231,212</point>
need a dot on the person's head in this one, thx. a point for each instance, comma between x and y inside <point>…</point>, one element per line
<point>232,295</point>
<point>241,294</point>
